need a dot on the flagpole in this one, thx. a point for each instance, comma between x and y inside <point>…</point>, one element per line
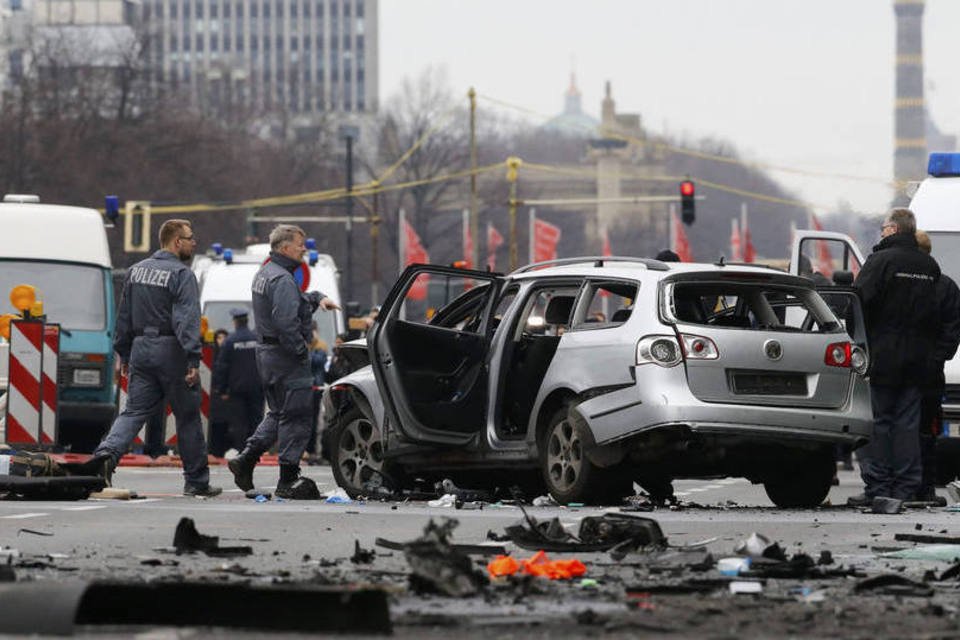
<point>402,251</point>
<point>671,232</point>
<point>468,256</point>
<point>533,228</point>
<point>744,244</point>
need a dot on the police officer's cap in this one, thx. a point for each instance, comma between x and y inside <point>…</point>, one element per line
<point>239,312</point>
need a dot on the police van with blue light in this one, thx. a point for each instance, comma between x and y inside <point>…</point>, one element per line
<point>935,201</point>
<point>226,276</point>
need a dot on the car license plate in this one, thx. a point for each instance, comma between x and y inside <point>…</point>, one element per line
<point>86,377</point>
<point>770,384</point>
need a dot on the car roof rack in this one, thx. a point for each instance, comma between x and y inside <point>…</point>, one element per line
<point>598,261</point>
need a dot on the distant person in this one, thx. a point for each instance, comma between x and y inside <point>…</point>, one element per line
<point>898,288</point>
<point>219,419</point>
<point>668,256</point>
<point>931,412</point>
<point>237,381</point>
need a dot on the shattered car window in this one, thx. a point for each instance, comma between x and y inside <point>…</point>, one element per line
<point>447,301</point>
<point>609,304</point>
<point>750,306</point>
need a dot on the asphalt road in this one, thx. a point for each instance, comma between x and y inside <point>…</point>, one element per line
<point>299,541</point>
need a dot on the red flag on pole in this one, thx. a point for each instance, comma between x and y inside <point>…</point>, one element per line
<point>749,252</point>
<point>824,262</point>
<point>545,239</point>
<point>679,241</point>
<point>494,242</point>
<point>414,253</point>
<point>736,251</point>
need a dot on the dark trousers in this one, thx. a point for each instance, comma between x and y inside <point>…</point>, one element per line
<point>893,467</point>
<point>288,388</point>
<point>246,412</point>
<point>931,421</point>
<point>155,444</point>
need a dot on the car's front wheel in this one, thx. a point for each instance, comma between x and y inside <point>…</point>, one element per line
<point>806,486</point>
<point>566,469</point>
<point>357,455</point>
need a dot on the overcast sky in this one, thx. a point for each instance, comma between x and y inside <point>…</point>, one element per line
<point>806,84</point>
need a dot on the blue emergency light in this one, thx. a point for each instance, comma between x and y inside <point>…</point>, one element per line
<point>944,165</point>
<point>228,256</point>
<point>217,248</point>
<point>112,208</point>
<point>311,243</point>
<point>313,258</point>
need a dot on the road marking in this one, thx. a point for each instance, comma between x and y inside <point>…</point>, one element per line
<point>84,508</point>
<point>22,516</point>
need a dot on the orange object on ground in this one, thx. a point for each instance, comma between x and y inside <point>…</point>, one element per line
<point>502,566</point>
<point>538,565</point>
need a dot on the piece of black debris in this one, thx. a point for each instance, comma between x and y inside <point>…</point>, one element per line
<point>7,573</point>
<point>675,560</point>
<point>34,532</point>
<point>825,557</point>
<point>951,573</point>
<point>478,549</point>
<point>926,538</point>
<point>436,567</point>
<point>446,486</point>
<point>187,539</point>
<point>361,555</point>
<point>892,584</point>
<point>619,533</point>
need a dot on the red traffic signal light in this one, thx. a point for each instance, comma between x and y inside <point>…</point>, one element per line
<point>688,211</point>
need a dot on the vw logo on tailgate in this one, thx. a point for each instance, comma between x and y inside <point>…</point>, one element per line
<point>773,349</point>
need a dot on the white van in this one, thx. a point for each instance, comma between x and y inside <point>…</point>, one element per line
<point>63,252</point>
<point>226,276</point>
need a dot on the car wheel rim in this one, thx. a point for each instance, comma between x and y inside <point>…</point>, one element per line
<point>361,453</point>
<point>564,456</point>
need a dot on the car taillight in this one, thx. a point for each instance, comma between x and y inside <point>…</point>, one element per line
<point>698,347</point>
<point>659,350</point>
<point>838,355</point>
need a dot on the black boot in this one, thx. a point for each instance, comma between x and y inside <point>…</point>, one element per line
<point>101,465</point>
<point>242,469</point>
<point>294,487</point>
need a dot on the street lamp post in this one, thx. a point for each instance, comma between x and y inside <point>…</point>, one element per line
<point>349,133</point>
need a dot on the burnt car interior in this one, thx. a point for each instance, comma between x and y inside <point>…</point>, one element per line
<point>546,315</point>
<point>440,360</point>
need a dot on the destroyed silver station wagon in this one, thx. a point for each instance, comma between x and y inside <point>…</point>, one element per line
<point>585,375</point>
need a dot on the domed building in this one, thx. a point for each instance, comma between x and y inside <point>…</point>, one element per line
<point>573,121</point>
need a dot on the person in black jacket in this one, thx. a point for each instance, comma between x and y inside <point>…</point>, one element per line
<point>931,414</point>
<point>897,286</point>
<point>236,379</point>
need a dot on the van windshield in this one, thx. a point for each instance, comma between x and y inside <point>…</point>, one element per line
<point>218,315</point>
<point>946,250</point>
<point>73,295</point>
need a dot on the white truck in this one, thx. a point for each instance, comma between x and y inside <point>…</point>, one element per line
<point>225,278</point>
<point>936,204</point>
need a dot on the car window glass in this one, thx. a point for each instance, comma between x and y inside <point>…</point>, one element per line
<point>746,306</point>
<point>503,305</point>
<point>607,304</point>
<point>446,300</point>
<point>548,311</point>
<point>819,259</point>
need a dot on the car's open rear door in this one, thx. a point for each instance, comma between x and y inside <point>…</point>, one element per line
<point>429,350</point>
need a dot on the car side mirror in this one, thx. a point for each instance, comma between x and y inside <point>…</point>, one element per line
<point>843,278</point>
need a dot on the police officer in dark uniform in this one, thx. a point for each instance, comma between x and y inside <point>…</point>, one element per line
<point>237,381</point>
<point>283,319</point>
<point>931,415</point>
<point>158,340</point>
<point>897,286</point>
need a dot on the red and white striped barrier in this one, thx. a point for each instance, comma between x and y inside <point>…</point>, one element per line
<point>32,391</point>
<point>170,422</point>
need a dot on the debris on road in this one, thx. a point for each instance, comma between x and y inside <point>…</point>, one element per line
<point>942,552</point>
<point>480,548</point>
<point>738,587</point>
<point>926,538</point>
<point>436,567</point>
<point>361,555</point>
<point>446,500</point>
<point>891,584</point>
<point>187,539</point>
<point>618,533</point>
<point>538,565</point>
<point>884,505</point>
<point>257,493</point>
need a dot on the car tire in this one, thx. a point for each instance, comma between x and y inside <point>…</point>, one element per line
<point>567,471</point>
<point>357,454</point>
<point>806,486</point>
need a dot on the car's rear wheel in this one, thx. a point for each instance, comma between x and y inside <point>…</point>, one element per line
<point>567,471</point>
<point>357,455</point>
<point>806,485</point>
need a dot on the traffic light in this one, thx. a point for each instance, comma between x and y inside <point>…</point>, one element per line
<point>688,212</point>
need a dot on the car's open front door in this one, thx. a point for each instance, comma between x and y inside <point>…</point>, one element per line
<point>429,349</point>
<point>821,254</point>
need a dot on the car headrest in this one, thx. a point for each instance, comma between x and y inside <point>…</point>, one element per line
<point>558,310</point>
<point>843,278</point>
<point>621,315</point>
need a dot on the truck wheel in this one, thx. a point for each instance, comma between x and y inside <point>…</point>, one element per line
<point>357,454</point>
<point>567,471</point>
<point>806,486</point>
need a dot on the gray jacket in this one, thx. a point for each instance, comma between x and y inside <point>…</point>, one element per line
<point>160,298</point>
<point>282,314</point>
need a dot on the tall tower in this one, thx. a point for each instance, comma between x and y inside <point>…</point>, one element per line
<point>910,155</point>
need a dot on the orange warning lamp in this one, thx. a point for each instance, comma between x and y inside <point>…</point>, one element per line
<point>22,297</point>
<point>36,309</point>
<point>206,333</point>
<point>5,320</point>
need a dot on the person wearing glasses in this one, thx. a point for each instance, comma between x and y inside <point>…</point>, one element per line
<point>898,290</point>
<point>158,340</point>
